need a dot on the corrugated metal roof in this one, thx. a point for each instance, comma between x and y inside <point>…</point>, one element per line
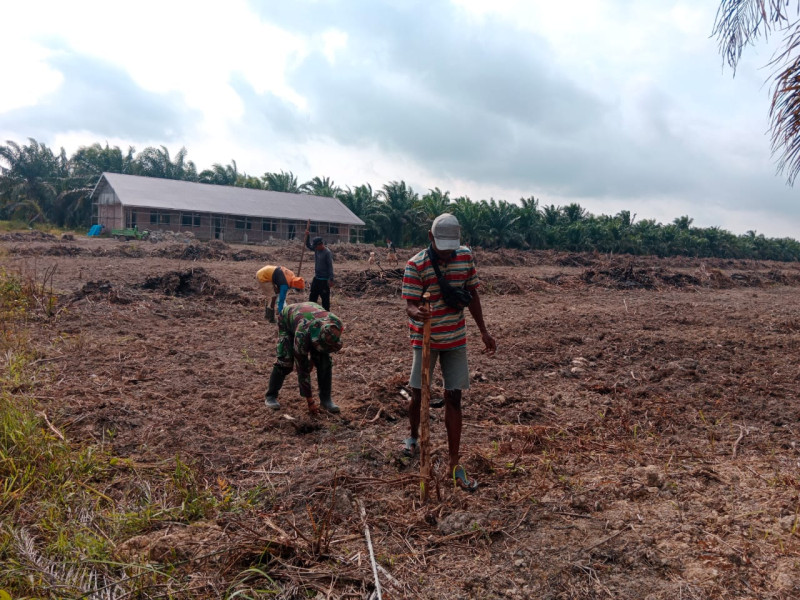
<point>171,194</point>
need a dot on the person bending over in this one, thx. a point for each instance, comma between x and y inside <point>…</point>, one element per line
<point>307,336</point>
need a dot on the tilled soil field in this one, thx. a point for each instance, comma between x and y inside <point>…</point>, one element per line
<point>635,436</point>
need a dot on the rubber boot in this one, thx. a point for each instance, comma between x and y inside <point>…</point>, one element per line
<point>324,367</point>
<point>275,384</point>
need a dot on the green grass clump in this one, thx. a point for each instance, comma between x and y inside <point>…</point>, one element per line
<point>14,225</point>
<point>66,508</point>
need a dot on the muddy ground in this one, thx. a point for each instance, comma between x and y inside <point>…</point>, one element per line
<point>636,435</point>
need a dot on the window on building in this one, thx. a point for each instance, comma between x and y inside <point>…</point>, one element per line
<point>153,217</point>
<point>243,223</point>
<point>333,229</point>
<point>314,228</point>
<point>163,218</point>
<point>269,225</point>
<point>190,220</point>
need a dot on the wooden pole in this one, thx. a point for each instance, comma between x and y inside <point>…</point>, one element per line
<point>303,251</point>
<point>424,408</point>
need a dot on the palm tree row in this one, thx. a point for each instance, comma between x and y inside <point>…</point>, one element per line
<point>39,185</point>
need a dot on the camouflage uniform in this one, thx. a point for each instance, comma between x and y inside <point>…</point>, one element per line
<point>307,335</point>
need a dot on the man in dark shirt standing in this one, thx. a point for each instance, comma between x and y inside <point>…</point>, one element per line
<point>323,271</point>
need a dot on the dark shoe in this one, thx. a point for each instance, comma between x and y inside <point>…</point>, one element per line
<point>328,405</point>
<point>410,447</point>
<point>272,402</point>
<point>269,314</point>
<point>461,481</point>
<point>436,403</point>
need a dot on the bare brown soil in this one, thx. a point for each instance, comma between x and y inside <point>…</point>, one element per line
<point>636,435</point>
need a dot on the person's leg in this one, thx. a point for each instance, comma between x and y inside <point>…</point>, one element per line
<point>452,422</point>
<point>313,294</point>
<point>282,296</point>
<point>279,373</point>
<point>455,372</point>
<point>284,364</point>
<point>324,365</point>
<point>415,383</point>
<point>325,292</point>
<point>413,412</point>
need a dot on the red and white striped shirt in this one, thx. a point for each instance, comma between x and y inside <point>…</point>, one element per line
<point>448,326</point>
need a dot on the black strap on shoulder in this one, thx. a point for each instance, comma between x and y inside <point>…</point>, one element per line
<point>439,277</point>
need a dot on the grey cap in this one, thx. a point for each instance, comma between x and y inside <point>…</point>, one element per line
<point>317,241</point>
<point>446,232</point>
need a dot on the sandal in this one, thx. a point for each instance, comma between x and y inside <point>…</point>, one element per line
<point>460,480</point>
<point>410,447</point>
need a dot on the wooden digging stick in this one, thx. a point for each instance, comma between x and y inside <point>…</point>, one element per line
<point>303,251</point>
<point>425,407</point>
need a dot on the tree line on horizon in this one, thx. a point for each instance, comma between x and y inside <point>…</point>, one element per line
<point>40,186</point>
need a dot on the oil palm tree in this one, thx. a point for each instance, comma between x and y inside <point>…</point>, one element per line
<point>471,217</point>
<point>397,212</point>
<point>363,203</point>
<point>30,180</point>
<point>73,205</point>
<point>740,23</point>
<point>500,218</point>
<point>89,162</point>
<point>156,162</point>
<point>220,175</point>
<point>281,182</point>
<point>530,223</point>
<point>434,203</point>
<point>320,186</point>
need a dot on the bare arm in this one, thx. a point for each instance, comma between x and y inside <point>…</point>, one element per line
<point>476,310</point>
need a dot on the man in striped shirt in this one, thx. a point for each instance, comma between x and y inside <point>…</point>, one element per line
<point>448,330</point>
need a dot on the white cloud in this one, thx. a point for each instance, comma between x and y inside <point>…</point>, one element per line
<point>614,104</point>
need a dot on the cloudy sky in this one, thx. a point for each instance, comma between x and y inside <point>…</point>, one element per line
<point>614,104</point>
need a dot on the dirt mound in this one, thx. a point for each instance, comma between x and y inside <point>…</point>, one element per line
<point>576,260</point>
<point>64,250</point>
<point>501,285</point>
<point>207,251</point>
<point>249,255</point>
<point>102,290</point>
<point>27,236</point>
<point>196,282</point>
<point>185,237</point>
<point>125,251</point>
<point>192,282</point>
<point>355,251</point>
<point>371,283</point>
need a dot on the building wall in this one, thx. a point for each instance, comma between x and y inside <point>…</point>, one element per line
<point>111,213</point>
<point>109,209</point>
<point>231,228</point>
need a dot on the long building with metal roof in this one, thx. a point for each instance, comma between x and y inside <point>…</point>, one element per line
<point>232,214</point>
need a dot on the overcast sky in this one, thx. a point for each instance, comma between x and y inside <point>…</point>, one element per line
<point>614,104</point>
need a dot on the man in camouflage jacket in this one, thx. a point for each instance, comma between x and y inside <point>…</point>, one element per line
<point>307,336</point>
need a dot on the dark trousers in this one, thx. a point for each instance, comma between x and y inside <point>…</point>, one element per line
<point>322,363</point>
<point>320,288</point>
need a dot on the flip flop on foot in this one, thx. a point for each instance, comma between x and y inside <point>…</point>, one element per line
<point>410,447</point>
<point>460,480</point>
